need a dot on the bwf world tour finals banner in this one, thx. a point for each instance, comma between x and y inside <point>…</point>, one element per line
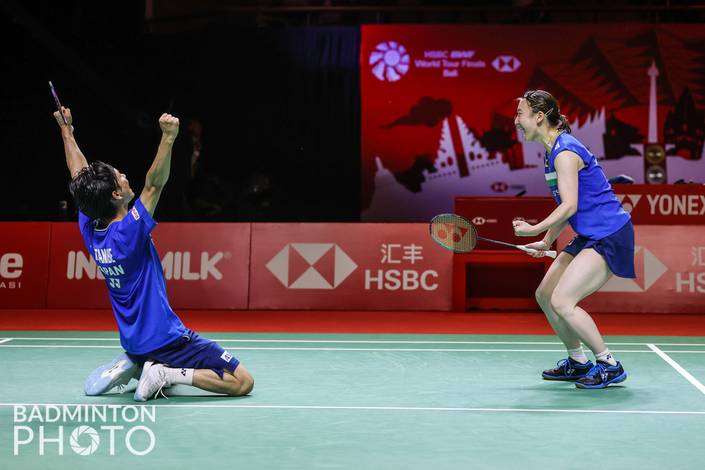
<point>438,105</point>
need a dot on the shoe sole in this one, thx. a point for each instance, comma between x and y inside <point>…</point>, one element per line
<point>147,365</point>
<point>563,378</point>
<point>96,384</point>
<point>616,380</point>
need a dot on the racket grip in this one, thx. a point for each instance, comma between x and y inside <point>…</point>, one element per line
<point>549,253</point>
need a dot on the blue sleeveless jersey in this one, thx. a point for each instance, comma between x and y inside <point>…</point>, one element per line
<point>599,212</point>
<point>128,260</point>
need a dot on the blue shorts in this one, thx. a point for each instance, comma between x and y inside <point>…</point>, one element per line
<point>192,352</point>
<point>617,249</point>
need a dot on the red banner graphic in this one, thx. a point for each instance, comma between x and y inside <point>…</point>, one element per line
<point>493,217</point>
<point>438,103</point>
<point>206,266</point>
<point>24,261</point>
<point>348,266</point>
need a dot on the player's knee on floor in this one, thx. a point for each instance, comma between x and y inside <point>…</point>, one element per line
<point>247,386</point>
<point>244,382</point>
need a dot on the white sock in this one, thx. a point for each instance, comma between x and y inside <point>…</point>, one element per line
<point>605,356</point>
<point>179,376</point>
<point>578,355</point>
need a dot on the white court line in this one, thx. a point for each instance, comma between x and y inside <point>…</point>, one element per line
<point>371,408</point>
<point>66,346</point>
<point>6,340</point>
<point>678,368</point>
<point>347,341</point>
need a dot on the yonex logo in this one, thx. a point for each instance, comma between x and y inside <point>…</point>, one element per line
<point>311,266</point>
<point>629,201</point>
<point>506,63</point>
<point>653,269</point>
<point>389,61</point>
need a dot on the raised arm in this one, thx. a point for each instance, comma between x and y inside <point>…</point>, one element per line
<point>75,160</point>
<point>158,173</point>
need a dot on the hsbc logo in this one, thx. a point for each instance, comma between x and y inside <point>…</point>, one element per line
<point>653,270</point>
<point>479,220</point>
<point>628,201</point>
<point>506,63</point>
<point>499,186</point>
<point>311,266</point>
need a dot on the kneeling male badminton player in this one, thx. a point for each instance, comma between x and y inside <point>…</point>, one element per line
<point>118,238</point>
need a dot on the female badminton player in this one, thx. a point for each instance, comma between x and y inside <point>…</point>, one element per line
<point>604,245</point>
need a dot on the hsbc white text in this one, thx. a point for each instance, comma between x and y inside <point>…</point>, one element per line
<point>690,282</point>
<point>395,279</point>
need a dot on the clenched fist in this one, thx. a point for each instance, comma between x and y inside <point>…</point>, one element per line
<point>523,229</point>
<point>169,125</point>
<point>60,120</point>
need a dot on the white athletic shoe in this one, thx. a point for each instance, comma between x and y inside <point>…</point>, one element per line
<point>115,374</point>
<point>152,381</point>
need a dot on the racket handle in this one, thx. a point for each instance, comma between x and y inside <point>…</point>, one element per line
<point>549,253</point>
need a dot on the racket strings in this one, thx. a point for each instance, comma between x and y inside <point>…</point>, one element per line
<point>454,233</point>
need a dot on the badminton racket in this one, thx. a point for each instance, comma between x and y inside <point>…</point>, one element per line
<point>57,102</point>
<point>457,234</point>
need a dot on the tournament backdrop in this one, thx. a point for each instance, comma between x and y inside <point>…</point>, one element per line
<point>438,104</point>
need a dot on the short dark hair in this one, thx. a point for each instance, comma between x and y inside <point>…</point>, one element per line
<point>540,100</point>
<point>92,190</point>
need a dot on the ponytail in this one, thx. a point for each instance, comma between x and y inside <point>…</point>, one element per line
<point>563,124</point>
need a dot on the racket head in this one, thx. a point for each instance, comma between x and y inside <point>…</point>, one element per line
<point>453,232</point>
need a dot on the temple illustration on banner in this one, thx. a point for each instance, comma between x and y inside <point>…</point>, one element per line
<point>466,164</point>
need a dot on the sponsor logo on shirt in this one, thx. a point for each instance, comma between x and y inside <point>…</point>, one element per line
<point>135,214</point>
<point>226,356</point>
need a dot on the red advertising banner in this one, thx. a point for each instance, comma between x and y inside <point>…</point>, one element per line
<point>670,268</point>
<point>678,204</point>
<point>438,104</point>
<point>24,259</point>
<point>348,266</point>
<point>493,217</point>
<point>206,266</point>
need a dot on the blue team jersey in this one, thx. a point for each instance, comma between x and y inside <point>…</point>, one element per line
<point>128,260</point>
<point>599,212</point>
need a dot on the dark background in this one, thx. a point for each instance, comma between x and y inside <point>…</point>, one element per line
<point>274,86</point>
